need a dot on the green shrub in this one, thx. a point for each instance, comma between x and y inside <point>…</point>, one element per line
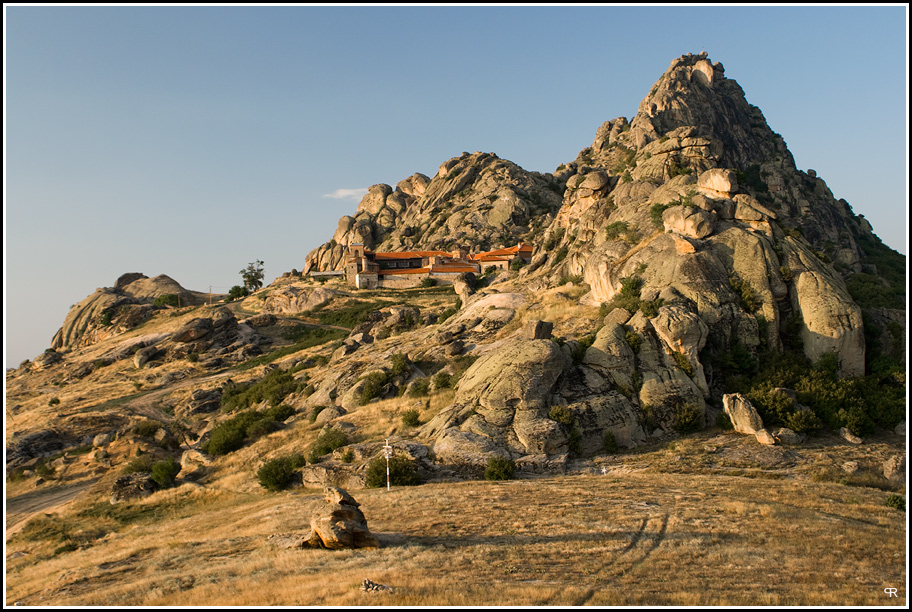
<point>634,340</point>
<point>688,418</point>
<point>443,380</point>
<point>237,292</point>
<point>277,474</point>
<point>402,472</point>
<point>555,239</point>
<point>616,230</point>
<point>895,501</point>
<point>146,428</point>
<point>500,468</point>
<point>574,441</point>
<point>684,363</point>
<point>749,299</point>
<point>163,472</point>
<point>561,253</point>
<point>260,427</point>
<point>373,385</point>
<point>410,418</point>
<point>168,299</point>
<point>420,387</point>
<point>316,411</point>
<point>348,456</point>
<point>561,414</point>
<point>582,345</point>
<point>723,421</point>
<point>138,464</point>
<point>802,421</point>
<point>398,364</point>
<point>44,470</point>
<point>427,282</point>
<point>53,401</point>
<point>272,388</point>
<point>328,441</point>
<point>610,443</point>
<point>655,213</point>
<point>281,412</point>
<point>517,264</point>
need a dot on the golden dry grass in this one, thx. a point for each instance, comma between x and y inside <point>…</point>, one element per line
<point>618,539</point>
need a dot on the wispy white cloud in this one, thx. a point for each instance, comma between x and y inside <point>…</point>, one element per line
<point>347,194</point>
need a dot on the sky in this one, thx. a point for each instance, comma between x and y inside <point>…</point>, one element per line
<point>192,141</point>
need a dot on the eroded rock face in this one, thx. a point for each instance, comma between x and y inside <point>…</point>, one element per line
<point>339,523</point>
<point>742,413</point>
<point>502,402</point>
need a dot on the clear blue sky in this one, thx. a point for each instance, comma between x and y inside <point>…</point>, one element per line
<point>190,141</point>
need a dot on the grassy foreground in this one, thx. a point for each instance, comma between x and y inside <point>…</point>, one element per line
<point>623,538</point>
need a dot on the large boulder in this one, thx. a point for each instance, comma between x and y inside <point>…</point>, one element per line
<point>742,413</point>
<point>501,405</point>
<point>339,523</point>
<point>688,221</point>
<point>195,329</point>
<point>894,469</point>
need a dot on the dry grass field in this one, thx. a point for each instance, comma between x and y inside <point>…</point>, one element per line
<point>664,526</point>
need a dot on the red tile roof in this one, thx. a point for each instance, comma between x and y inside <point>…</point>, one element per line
<point>410,255</point>
<point>499,254</point>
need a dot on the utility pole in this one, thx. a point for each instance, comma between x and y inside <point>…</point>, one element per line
<point>388,452</point>
<point>210,295</point>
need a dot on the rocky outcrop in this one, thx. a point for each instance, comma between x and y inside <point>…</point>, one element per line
<point>502,402</point>
<point>473,202</point>
<point>113,310</point>
<point>292,299</point>
<point>132,486</point>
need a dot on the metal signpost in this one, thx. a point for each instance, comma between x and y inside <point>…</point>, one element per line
<point>387,452</point>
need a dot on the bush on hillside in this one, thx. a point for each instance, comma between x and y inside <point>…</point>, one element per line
<point>402,470</point>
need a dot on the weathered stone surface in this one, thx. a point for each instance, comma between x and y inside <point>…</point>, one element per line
<point>688,221</point>
<point>194,464</point>
<point>194,330</point>
<point>718,181</point>
<point>457,447</point>
<point>261,320</point>
<point>850,467</point>
<point>144,355</point>
<point>764,437</point>
<point>101,440</point>
<point>36,444</point>
<point>293,299</point>
<point>900,429</point>
<point>537,330</point>
<point>849,437</point>
<point>785,435</point>
<point>132,486</point>
<point>46,360</point>
<point>742,413</point>
<point>894,469</point>
<point>340,523</point>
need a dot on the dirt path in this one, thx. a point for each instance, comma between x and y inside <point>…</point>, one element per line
<point>22,507</point>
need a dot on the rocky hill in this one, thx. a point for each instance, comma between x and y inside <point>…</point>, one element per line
<point>680,259</point>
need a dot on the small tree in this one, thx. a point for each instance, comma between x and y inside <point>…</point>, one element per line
<point>253,275</point>
<point>237,292</point>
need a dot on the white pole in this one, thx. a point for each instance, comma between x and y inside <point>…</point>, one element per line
<point>387,452</point>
